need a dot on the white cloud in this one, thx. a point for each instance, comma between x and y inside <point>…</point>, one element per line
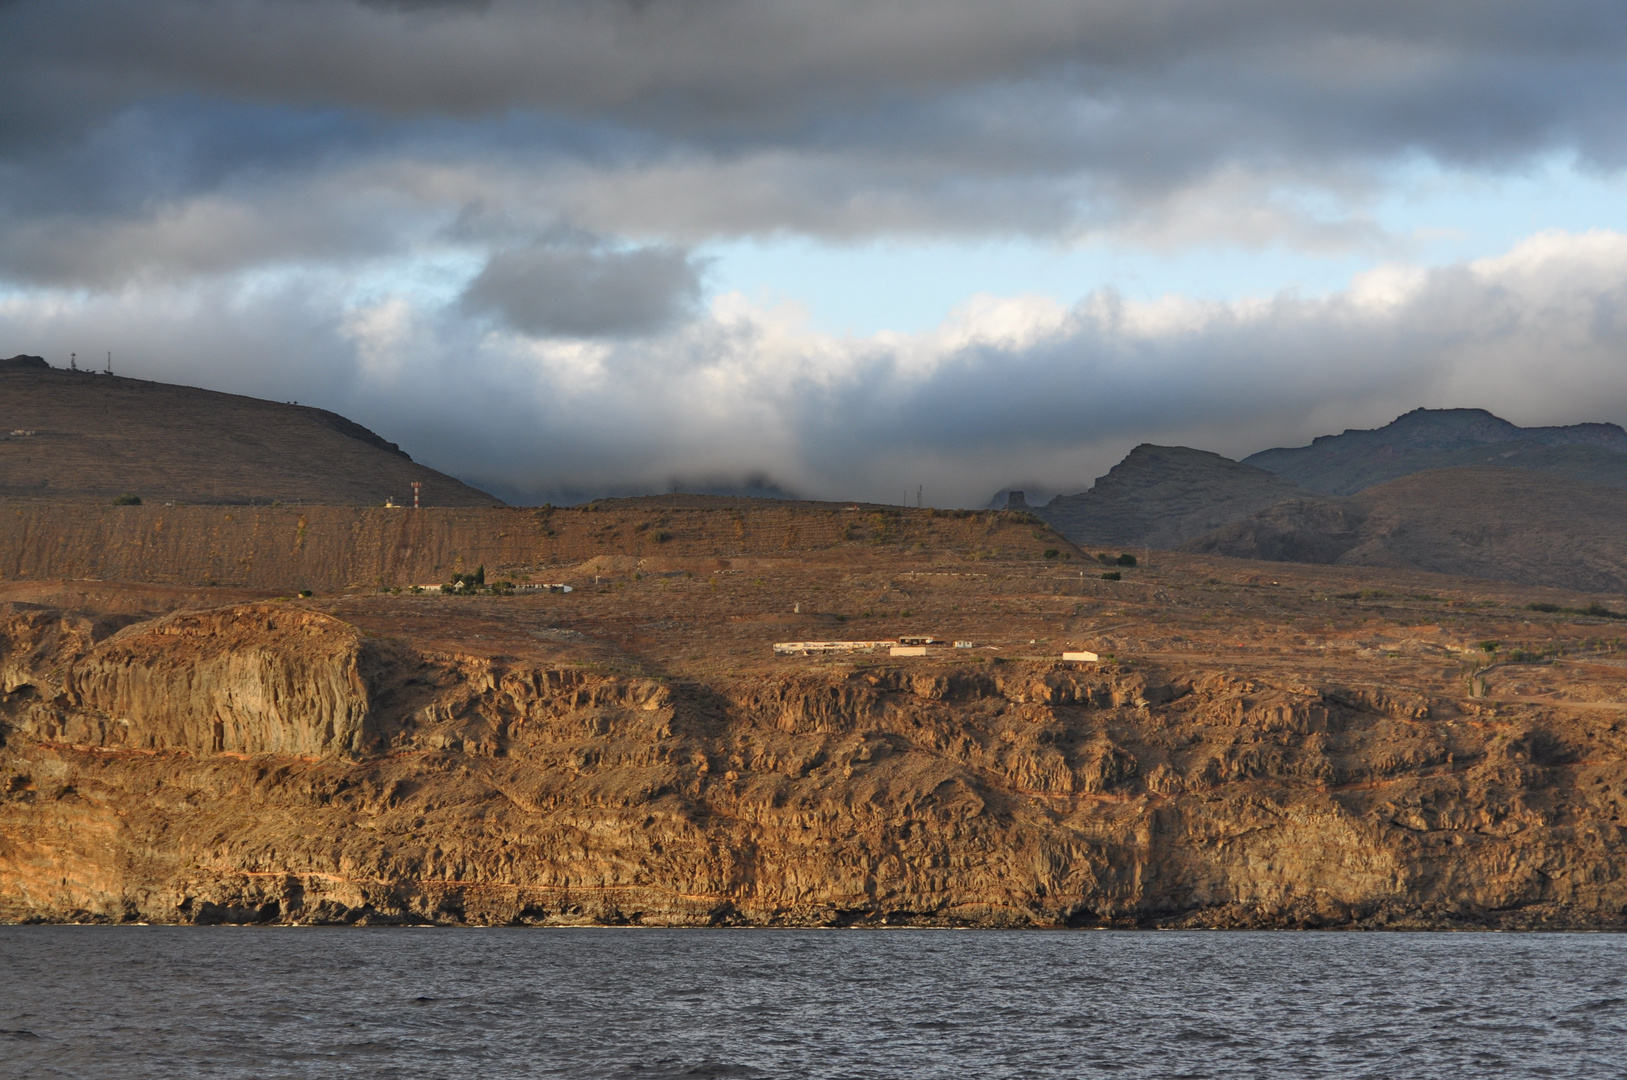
<point>1007,390</point>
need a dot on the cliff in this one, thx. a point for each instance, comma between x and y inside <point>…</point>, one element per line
<point>270,762</point>
<point>328,548</point>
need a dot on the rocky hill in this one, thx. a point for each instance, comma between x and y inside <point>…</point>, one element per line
<point>1160,496</point>
<point>82,436</point>
<point>1505,524</point>
<point>1442,438</point>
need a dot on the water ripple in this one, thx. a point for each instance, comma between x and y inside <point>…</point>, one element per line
<point>229,1003</point>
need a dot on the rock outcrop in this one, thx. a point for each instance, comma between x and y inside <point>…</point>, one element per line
<point>268,763</point>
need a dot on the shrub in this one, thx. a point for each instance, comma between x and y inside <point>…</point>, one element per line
<point>1595,609</point>
<point>1112,575</point>
<point>466,583</point>
<point>1051,553</point>
<point>127,499</point>
<point>1105,559</point>
<point>1126,559</point>
<point>1491,646</point>
<point>662,537</point>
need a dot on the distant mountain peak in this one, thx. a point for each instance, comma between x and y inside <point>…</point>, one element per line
<point>1160,496</point>
<point>1418,440</point>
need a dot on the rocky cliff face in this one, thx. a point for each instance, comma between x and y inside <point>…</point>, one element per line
<point>330,548</point>
<point>271,763</point>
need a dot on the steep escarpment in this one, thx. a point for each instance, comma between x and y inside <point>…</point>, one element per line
<point>328,776</point>
<point>327,548</point>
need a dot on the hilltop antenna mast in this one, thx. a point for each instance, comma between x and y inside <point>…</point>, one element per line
<point>918,496</point>
<point>110,362</point>
<point>73,361</point>
<point>416,484</point>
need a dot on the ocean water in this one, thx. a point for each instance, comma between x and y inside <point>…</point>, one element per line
<point>128,1002</point>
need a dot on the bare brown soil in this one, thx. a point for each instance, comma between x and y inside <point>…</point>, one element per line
<point>1262,745</point>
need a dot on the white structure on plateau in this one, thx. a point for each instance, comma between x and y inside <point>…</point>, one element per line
<point>805,648</point>
<point>1086,657</point>
<point>540,586</point>
<point>904,646</point>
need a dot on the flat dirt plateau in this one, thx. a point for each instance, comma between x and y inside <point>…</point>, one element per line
<point>1260,745</point>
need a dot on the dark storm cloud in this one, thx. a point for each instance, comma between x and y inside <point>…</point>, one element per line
<point>554,290</point>
<point>1128,99</point>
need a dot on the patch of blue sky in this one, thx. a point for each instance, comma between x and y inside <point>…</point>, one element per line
<point>1445,216</point>
<point>428,280</point>
<point>1424,215</point>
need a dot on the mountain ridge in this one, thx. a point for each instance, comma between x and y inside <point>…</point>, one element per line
<point>1422,439</point>
<point>1390,496</point>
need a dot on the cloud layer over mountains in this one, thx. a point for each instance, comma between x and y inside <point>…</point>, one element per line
<point>482,227</point>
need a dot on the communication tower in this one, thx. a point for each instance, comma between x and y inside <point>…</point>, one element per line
<point>416,484</point>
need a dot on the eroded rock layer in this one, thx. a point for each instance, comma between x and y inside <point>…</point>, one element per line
<point>271,763</point>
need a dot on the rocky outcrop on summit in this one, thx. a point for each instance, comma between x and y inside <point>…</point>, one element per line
<point>330,777</point>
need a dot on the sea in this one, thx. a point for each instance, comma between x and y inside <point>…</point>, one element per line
<point>180,1002</point>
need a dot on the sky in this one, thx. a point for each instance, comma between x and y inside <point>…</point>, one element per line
<point>847,250</point>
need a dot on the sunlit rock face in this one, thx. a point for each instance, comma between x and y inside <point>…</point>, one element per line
<point>269,762</point>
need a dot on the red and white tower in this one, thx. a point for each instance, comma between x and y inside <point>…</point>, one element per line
<point>416,484</point>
